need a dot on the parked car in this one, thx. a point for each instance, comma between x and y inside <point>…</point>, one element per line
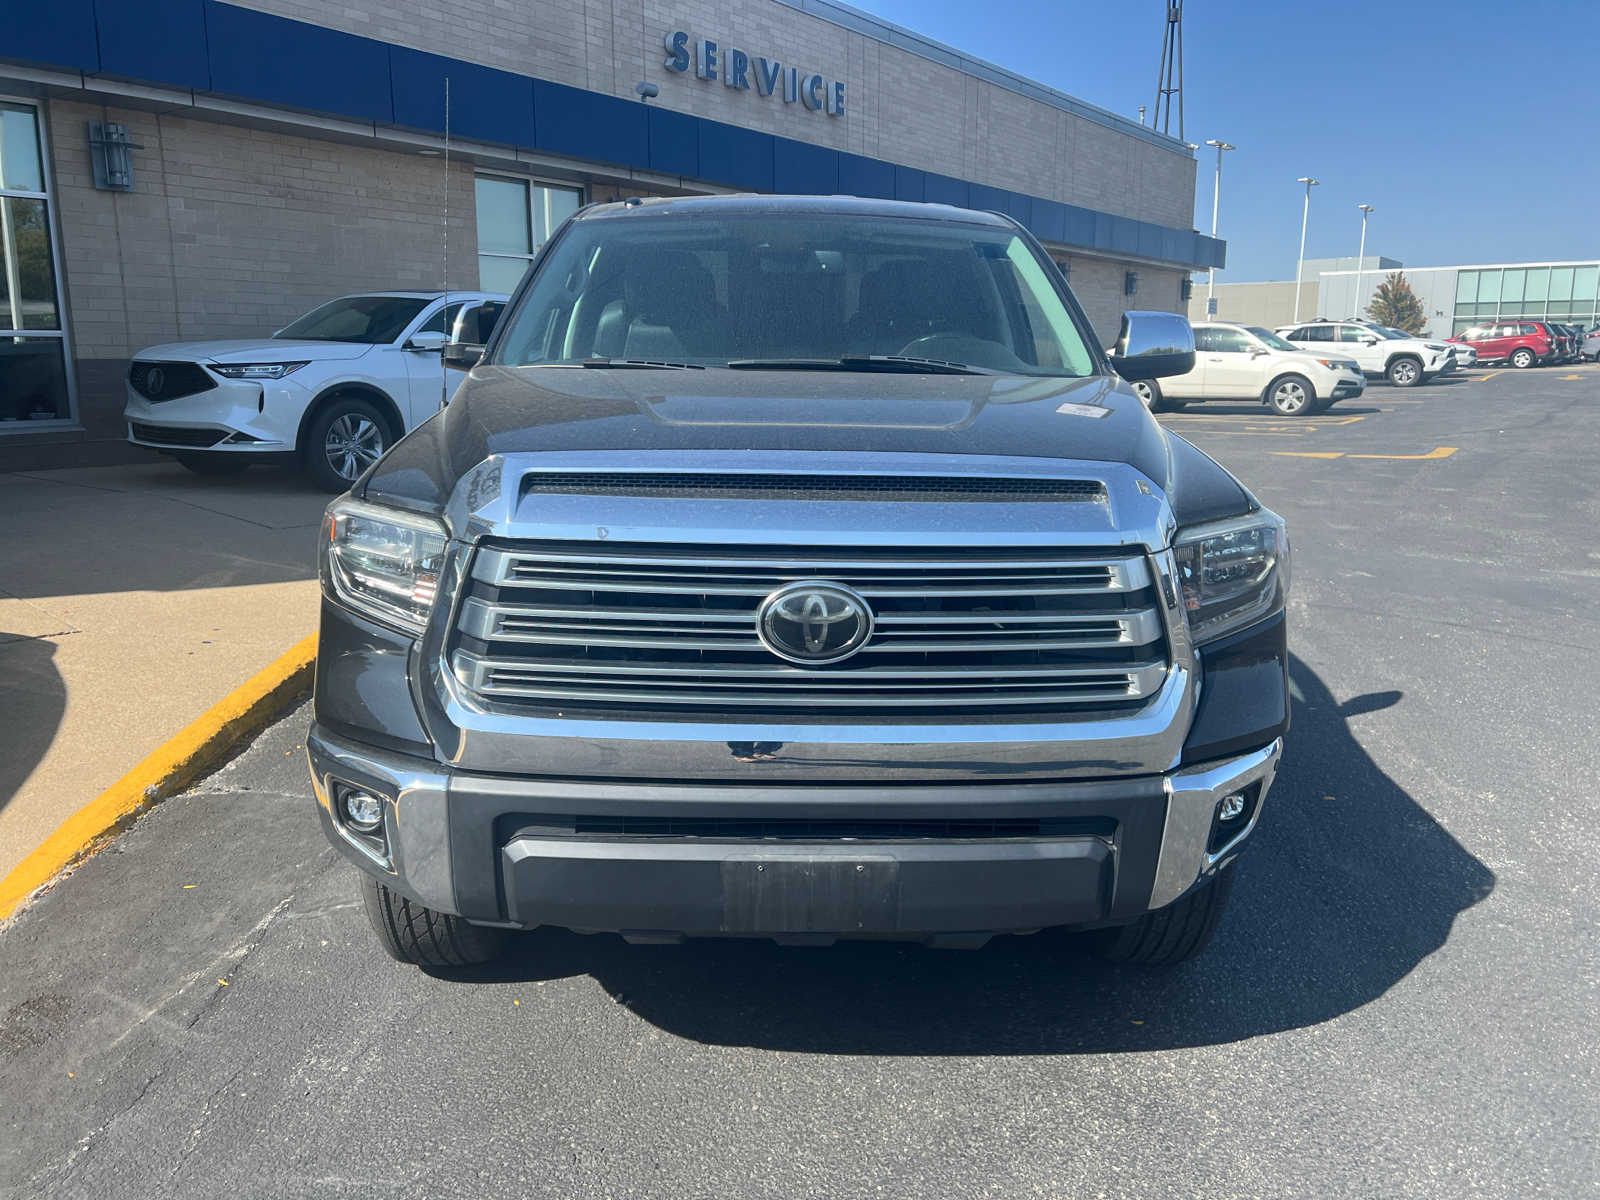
<point>1520,343</point>
<point>1571,342</point>
<point>1404,361</point>
<point>335,388</point>
<point>1245,362</point>
<point>1591,344</point>
<point>1459,356</point>
<point>871,605</point>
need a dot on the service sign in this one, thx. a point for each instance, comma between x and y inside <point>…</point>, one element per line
<point>734,68</point>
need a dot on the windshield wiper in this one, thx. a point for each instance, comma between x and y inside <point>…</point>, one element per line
<point>639,364</point>
<point>890,363</point>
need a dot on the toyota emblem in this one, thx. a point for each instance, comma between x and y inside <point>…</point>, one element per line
<point>814,624</point>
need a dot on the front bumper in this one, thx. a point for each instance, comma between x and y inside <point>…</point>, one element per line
<point>654,860</point>
<point>236,416</point>
<point>1348,385</point>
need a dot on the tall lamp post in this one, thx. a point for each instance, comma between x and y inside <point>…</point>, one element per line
<point>1216,195</point>
<point>1361,256</point>
<point>1305,215</point>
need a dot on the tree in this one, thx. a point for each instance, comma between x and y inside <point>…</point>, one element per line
<point>1394,303</point>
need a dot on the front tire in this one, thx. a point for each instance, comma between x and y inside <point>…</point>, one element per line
<point>202,463</point>
<point>1170,935</point>
<point>413,934</point>
<point>346,438</point>
<point>1405,372</point>
<point>1522,358</point>
<point>1292,396</point>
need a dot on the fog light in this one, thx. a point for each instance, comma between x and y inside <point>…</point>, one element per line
<point>1232,807</point>
<point>363,811</point>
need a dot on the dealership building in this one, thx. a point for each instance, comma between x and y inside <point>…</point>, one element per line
<point>178,170</point>
<point>1453,298</point>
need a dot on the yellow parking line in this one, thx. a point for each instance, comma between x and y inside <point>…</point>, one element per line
<point>1566,377</point>
<point>1436,452</point>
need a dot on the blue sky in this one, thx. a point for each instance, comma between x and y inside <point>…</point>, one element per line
<point>1472,127</point>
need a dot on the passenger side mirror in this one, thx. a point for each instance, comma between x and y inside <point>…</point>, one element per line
<point>473,325</point>
<point>1153,345</point>
<point>426,341</point>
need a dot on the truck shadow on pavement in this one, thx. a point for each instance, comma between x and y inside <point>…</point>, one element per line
<point>1348,886</point>
<point>33,698</point>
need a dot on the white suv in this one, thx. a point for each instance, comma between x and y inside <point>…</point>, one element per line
<point>336,387</point>
<point>1404,361</point>
<point>1247,362</point>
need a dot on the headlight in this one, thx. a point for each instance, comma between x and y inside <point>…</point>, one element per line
<point>256,370</point>
<point>1233,572</point>
<point>382,562</point>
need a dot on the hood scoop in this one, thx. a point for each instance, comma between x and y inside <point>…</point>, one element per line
<point>774,485</point>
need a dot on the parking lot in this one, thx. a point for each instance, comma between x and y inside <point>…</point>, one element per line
<point>1402,1001</point>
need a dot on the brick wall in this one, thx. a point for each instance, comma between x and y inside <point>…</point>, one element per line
<point>900,106</point>
<point>1098,285</point>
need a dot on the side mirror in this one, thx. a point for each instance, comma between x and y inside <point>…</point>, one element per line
<point>470,335</point>
<point>426,341</point>
<point>463,356</point>
<point>1369,340</point>
<point>1153,345</point>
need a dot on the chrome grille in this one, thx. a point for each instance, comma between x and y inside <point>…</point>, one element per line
<point>601,628</point>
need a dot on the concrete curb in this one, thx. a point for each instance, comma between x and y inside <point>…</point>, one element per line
<point>189,755</point>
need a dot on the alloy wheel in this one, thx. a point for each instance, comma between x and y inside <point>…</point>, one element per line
<point>353,444</point>
<point>1404,373</point>
<point>1289,397</point>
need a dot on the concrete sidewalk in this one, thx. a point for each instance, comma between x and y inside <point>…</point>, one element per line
<point>132,599</point>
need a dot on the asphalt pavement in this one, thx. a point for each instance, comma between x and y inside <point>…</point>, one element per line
<point>1402,1000</point>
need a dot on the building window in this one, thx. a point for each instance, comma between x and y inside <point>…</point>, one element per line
<point>515,217</point>
<point>33,350</point>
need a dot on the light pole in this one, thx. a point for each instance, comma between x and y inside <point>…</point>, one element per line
<point>1305,216</point>
<point>1361,256</point>
<point>1216,195</point>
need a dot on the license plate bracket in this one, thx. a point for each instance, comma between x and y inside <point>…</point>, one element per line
<point>806,894</point>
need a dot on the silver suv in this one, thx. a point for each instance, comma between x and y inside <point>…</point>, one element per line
<point>799,568</point>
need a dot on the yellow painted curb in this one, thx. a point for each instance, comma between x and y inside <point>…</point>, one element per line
<point>178,762</point>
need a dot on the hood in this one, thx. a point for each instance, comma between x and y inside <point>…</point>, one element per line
<point>254,350</point>
<point>531,410</point>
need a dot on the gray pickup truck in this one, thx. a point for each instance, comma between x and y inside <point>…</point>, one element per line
<point>799,568</point>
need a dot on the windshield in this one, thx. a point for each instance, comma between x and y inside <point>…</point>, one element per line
<point>800,292</point>
<point>1392,334</point>
<point>370,319</point>
<point>1271,339</point>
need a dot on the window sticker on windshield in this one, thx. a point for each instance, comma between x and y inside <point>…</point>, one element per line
<point>1072,409</point>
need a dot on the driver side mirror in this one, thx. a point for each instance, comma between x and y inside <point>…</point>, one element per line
<point>1153,345</point>
<point>1369,340</point>
<point>470,335</point>
<point>426,341</point>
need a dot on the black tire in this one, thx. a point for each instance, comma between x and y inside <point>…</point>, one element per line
<point>346,437</point>
<point>202,463</point>
<point>1522,358</point>
<point>1321,406</point>
<point>413,934</point>
<point>1291,396</point>
<point>1169,935</point>
<point>1404,371</point>
<point>1154,398</point>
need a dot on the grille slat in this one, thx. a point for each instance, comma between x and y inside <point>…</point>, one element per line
<point>788,485</point>
<point>670,632</point>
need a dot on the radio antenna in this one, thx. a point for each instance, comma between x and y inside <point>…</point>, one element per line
<point>444,373</point>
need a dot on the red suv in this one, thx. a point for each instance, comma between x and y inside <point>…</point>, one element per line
<point>1520,343</point>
